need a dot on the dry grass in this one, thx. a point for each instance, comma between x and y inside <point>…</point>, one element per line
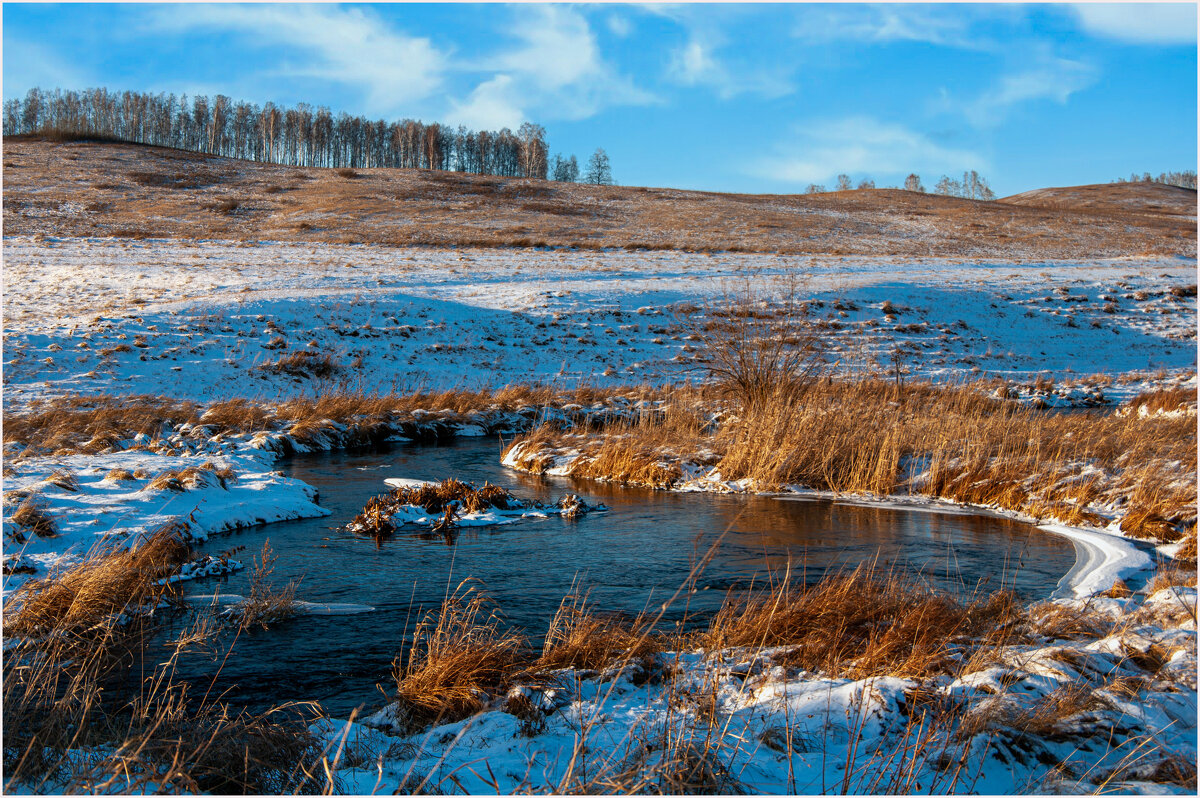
<point>1166,400</point>
<point>580,638</point>
<point>860,624</point>
<point>190,478</point>
<point>952,442</point>
<point>304,364</point>
<point>32,515</point>
<point>459,656</point>
<point>85,595</point>
<point>87,710</point>
<point>1043,718</point>
<point>119,475</point>
<point>1171,577</point>
<point>450,497</point>
<point>89,425</point>
<point>266,604</point>
<point>65,479</point>
<point>155,199</point>
<point>92,424</point>
<point>237,415</point>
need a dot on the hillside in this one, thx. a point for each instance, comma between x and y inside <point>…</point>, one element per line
<point>1154,198</point>
<point>101,189</point>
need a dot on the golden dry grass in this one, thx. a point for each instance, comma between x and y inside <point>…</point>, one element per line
<point>949,442</point>
<point>79,676</point>
<point>92,424</point>
<point>32,515</point>
<point>860,624</point>
<point>266,604</point>
<point>142,192</point>
<point>459,656</point>
<point>85,595</point>
<point>450,497</point>
<point>579,637</point>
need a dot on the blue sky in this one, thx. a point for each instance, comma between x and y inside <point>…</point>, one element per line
<point>755,98</point>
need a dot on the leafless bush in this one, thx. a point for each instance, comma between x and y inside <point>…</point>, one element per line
<point>759,349</point>
<point>266,604</point>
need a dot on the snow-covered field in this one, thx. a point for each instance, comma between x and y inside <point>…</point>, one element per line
<point>769,728</point>
<point>198,319</point>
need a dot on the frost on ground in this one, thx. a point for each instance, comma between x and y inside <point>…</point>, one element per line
<point>58,509</point>
<point>213,320</point>
<point>1107,701</point>
<point>1110,709</point>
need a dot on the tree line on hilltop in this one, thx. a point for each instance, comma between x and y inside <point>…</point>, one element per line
<point>296,136</point>
<point>972,186</point>
<point>1185,179</point>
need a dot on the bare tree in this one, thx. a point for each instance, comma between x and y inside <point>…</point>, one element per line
<point>866,182</point>
<point>913,183</point>
<point>298,136</point>
<point>599,172</point>
<point>566,170</point>
<point>534,156</point>
<point>843,182</point>
<point>947,187</point>
<point>814,188</point>
<point>759,347</point>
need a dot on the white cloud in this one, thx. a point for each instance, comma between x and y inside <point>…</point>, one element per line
<point>696,64</point>
<point>553,70</point>
<point>619,25</point>
<point>935,24</point>
<point>1046,77</point>
<point>859,146</point>
<point>493,104</point>
<point>351,46</point>
<point>1140,23</point>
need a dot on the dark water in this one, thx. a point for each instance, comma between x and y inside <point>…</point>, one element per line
<point>632,558</point>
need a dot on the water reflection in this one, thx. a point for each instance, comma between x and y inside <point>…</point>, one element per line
<point>632,558</point>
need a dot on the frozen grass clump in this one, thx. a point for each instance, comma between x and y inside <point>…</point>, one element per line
<point>459,656</point>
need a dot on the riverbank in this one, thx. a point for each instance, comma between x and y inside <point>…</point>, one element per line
<point>994,705</point>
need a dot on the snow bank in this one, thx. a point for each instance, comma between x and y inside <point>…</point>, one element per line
<point>95,500</point>
<point>1100,560</point>
<point>767,727</point>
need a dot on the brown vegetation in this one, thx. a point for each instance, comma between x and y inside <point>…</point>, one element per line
<point>860,624</point>
<point>304,364</point>
<point>82,597</point>
<point>459,656</point>
<point>148,192</point>
<point>91,424</point>
<point>450,497</point>
<point>78,677</point>
<point>952,442</point>
<point>581,638</point>
<point>266,604</point>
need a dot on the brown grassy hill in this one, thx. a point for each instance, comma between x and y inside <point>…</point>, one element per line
<point>1154,198</point>
<point>102,189</point>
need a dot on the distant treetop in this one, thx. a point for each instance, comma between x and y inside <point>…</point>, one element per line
<point>299,136</point>
<point>1186,179</point>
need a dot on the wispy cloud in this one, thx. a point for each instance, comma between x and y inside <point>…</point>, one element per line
<point>1139,23</point>
<point>859,146</point>
<point>946,25</point>
<point>553,70</point>
<point>1044,77</point>
<point>349,46</point>
<point>697,63</point>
